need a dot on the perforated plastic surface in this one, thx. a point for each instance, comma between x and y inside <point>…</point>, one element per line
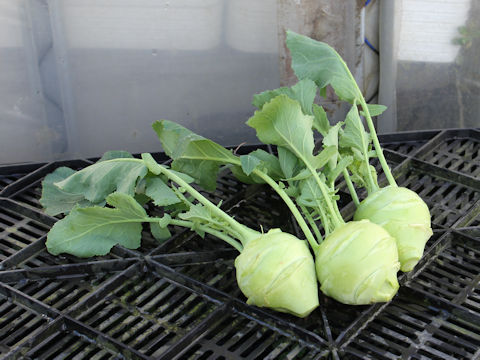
<point>180,300</point>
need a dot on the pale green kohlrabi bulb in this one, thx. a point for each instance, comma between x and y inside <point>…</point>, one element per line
<point>277,271</point>
<point>405,216</point>
<point>357,264</point>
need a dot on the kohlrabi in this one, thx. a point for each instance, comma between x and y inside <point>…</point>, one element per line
<point>399,210</point>
<point>274,269</point>
<point>295,174</point>
<point>357,262</point>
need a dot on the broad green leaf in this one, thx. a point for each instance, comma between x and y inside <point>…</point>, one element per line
<point>302,175</point>
<point>57,201</point>
<point>201,215</point>
<point>319,62</point>
<point>374,109</point>
<point>281,122</point>
<point>170,135</point>
<point>242,177</point>
<point>310,194</point>
<point>327,154</point>
<point>292,191</point>
<point>331,139</point>
<point>303,91</point>
<point>289,163</point>
<point>357,154</point>
<point>269,163</point>
<point>193,154</point>
<point>159,192</point>
<point>354,135</point>
<point>94,231</point>
<point>141,198</point>
<point>259,160</point>
<point>99,180</point>
<point>320,120</point>
<point>249,163</point>
<point>159,233</point>
<point>202,162</point>
<point>116,154</point>
<point>359,170</point>
<point>333,173</point>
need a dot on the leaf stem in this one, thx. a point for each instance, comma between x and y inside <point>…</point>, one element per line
<point>337,218</point>
<point>293,209</point>
<point>351,188</point>
<point>311,221</point>
<point>246,233</point>
<point>376,143</point>
<point>189,224</point>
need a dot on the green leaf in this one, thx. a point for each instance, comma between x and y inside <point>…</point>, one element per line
<point>292,191</point>
<point>359,170</point>
<point>320,120</point>
<point>249,163</point>
<point>281,122</point>
<point>354,135</point>
<point>302,175</point>
<point>170,135</point>
<point>257,160</point>
<point>310,194</point>
<point>193,154</point>
<point>199,214</point>
<point>289,163</point>
<point>159,192</point>
<point>327,154</point>
<point>116,154</point>
<point>141,198</point>
<point>268,163</point>
<point>94,231</point>
<point>57,201</point>
<point>99,180</point>
<point>333,173</point>
<point>374,109</point>
<point>319,62</point>
<point>303,91</point>
<point>331,139</point>
<point>159,233</point>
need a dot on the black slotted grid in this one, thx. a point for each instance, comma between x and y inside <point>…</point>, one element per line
<point>180,300</point>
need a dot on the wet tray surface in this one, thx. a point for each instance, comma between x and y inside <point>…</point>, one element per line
<point>180,300</point>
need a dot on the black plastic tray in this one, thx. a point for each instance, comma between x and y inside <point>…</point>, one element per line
<point>180,300</point>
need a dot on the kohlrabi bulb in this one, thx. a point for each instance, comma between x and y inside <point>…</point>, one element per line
<point>357,264</point>
<point>277,270</point>
<point>405,216</point>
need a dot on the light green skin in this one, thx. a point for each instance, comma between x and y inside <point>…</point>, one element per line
<point>357,264</point>
<point>405,216</point>
<point>277,271</point>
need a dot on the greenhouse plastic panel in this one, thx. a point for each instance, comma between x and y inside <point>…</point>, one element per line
<point>180,299</point>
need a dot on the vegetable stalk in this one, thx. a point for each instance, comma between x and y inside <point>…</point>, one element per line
<point>399,210</point>
<point>187,148</point>
<point>274,269</point>
<point>245,234</point>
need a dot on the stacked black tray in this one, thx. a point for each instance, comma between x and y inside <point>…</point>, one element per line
<point>179,300</point>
